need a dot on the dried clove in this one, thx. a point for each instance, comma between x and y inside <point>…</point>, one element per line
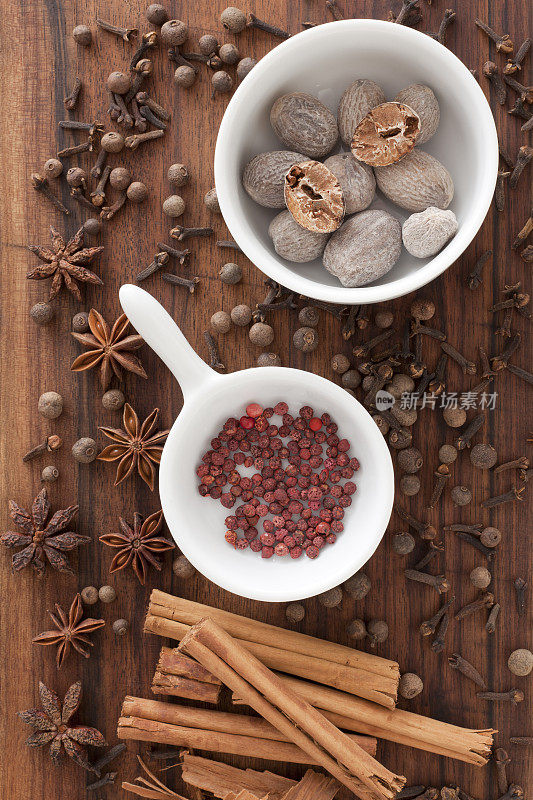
<point>438,582</point>
<point>499,192</point>
<point>409,792</point>
<point>520,586</point>
<point>133,142</point>
<point>334,10</point>
<point>425,529</point>
<point>160,260</point>
<point>468,367</point>
<point>518,463</point>
<point>501,361</point>
<point>513,494</point>
<point>442,473</point>
<point>139,121</point>
<point>525,93</point>
<point>228,243</point>
<point>144,100</point>
<point>76,149</point>
<point>485,600</point>
<point>491,71</point>
<point>501,759</point>
<point>503,43</point>
<point>108,757</point>
<point>40,184</point>
<point>181,255</point>
<point>127,34</point>
<point>465,668</point>
<point>407,7</point>
<point>150,117</point>
<point>50,445</point>
<point>75,125</point>
<point>519,110</point>
<point>447,19</point>
<point>148,40</point>
<point>108,778</point>
<point>77,193</point>
<point>364,348</point>
<point>525,154</point>
<point>180,232</point>
<point>514,792</point>
<point>434,548</point>
<point>515,64</point>
<point>255,22</point>
<point>433,333</point>
<point>459,526</point>
<point>177,280</point>
<point>71,100</point>
<point>523,741</point>
<point>474,278</point>
<point>474,542</point>
<point>464,438</point>
<point>214,357</point>
<point>436,381</point>
<point>490,625</point>
<point>513,696</point>
<point>99,164</point>
<point>437,645</point>
<point>98,195</point>
<point>108,212</point>
<point>429,626</point>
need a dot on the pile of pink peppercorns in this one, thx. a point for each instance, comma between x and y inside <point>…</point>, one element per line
<point>298,491</point>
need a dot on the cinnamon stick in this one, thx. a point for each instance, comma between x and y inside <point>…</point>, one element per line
<point>180,676</point>
<point>345,760</point>
<point>175,663</point>
<point>220,779</point>
<point>313,786</point>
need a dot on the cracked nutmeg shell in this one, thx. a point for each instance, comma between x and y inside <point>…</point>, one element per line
<point>387,134</point>
<point>313,196</point>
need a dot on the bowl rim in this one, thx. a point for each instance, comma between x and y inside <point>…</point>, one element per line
<point>269,263</point>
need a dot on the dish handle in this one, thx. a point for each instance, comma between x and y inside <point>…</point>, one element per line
<point>161,333</point>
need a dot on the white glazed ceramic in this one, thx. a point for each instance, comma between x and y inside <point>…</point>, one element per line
<point>197,523</point>
<point>323,61</point>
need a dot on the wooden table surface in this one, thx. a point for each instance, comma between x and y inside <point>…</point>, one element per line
<point>40,62</point>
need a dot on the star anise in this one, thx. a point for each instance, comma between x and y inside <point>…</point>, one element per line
<point>109,349</point>
<point>40,538</point>
<point>136,446</point>
<point>71,630</point>
<point>137,544</point>
<point>51,726</point>
<point>65,263</point>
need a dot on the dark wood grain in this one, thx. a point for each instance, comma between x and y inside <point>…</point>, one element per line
<point>40,61</point>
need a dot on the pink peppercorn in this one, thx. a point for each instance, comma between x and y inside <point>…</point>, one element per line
<point>230,537</point>
<point>242,544</point>
<point>312,551</point>
<point>227,500</point>
<point>281,549</point>
<point>319,541</point>
<point>268,412</point>
<point>337,512</point>
<point>267,552</point>
<point>323,528</point>
<point>349,487</point>
<point>254,410</point>
<point>337,526</point>
<point>331,539</point>
<point>296,552</point>
<point>354,463</point>
<point>281,408</point>
<point>256,545</point>
<point>261,424</point>
<point>315,423</point>
<point>268,539</point>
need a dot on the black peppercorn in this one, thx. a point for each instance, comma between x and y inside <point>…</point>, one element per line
<point>241,315</point>
<point>174,206</point>
<point>400,439</point>
<point>483,456</point>
<point>42,313</point>
<point>89,595</point>
<point>112,142</point>
<point>351,379</point>
<point>52,168</point>
<point>309,316</point>
<point>156,14</point>
<point>233,19</point>
<point>410,460</point>
<point>490,537</point>
<point>230,274</point>
<point>76,176</point>
<point>107,594</point>
<point>480,577</point>
<point>410,685</point>
<point>410,485</point>
<point>405,416</point>
<point>332,598</point>
<point>261,334</point>
<point>229,54</point>
<point>268,360</point>
<point>403,543</point>
<point>340,363</point>
<point>222,82</point>
<point>184,76</point>
<point>50,474</point>
<point>378,631</point>
<point>120,627</point>
<point>113,400</point>
<point>305,339</point>
<point>80,322</point>
<point>119,83</point>
<point>137,192</point>
<point>382,424</point>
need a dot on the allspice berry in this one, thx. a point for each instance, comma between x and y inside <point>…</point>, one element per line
<point>92,226</point>
<point>211,201</point>
<point>351,379</point>
<point>207,44</point>
<point>107,594</point>
<point>230,274</point>
<point>222,81</point>
<point>174,32</point>
<point>410,685</point>
<point>113,400</point>
<point>520,662</point>
<point>178,175</point>
<point>174,206</point>
<point>309,316</point>
<point>402,383</point>
<point>80,322</point>
<point>52,168</point>
<point>244,67</point>
<point>183,568</point>
<point>483,456</point>
<point>42,313</point>
<point>184,76</point>
<point>295,612</point>
<point>82,35</point>
<point>384,319</point>
<point>241,315</point>
<point>480,577</point>
<point>136,192</point>
<point>378,631</point>
<point>358,586</point>
<point>76,177</point>
<point>332,598</point>
<point>50,405</point>
<point>221,322</point>
<point>340,363</point>
<point>119,83</point>
<point>120,627</point>
<point>490,537</point>
<point>405,416</point>
<point>410,460</point>
<point>461,495</point>
<point>233,19</point>
<point>356,630</point>
<point>409,485</point>
<point>229,54</point>
<point>112,142</point>
<point>50,474</point>
<point>305,339</point>
<point>84,450</point>
<point>399,439</point>
<point>447,454</point>
<point>156,14</point>
<point>422,309</point>
<point>382,423</point>
<point>403,543</point>
<point>89,595</point>
<point>268,360</point>
<point>120,178</point>
<point>454,417</point>
<point>261,334</point>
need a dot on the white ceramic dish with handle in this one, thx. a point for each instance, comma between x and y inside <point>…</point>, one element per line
<point>197,523</point>
<point>323,61</point>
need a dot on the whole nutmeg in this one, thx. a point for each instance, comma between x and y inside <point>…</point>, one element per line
<point>520,662</point>
<point>211,201</point>
<point>480,577</point>
<point>80,322</point>
<point>409,485</point>
<point>425,233</point>
<point>229,54</point>
<point>490,537</point>
<point>156,14</point>
<point>384,319</point>
<point>422,309</point>
<point>295,612</point>
<point>410,685</point>
<point>405,416</point>
<point>422,100</point>
<point>174,206</point>
<point>351,379</point>
<point>82,35</point>
<point>483,455</point>
<point>178,175</point>
<point>447,454</point>
<point>386,134</point>
<point>184,76</point>
<point>119,83</point>
<point>268,360</point>
<point>233,19</point>
<point>340,363</point>
<point>356,630</point>
<point>174,32</point>
<point>76,176</point>
<point>461,495</point>
<point>42,313</point>
<point>332,598</point>
<point>358,99</point>
<point>410,460</point>
<point>113,400</point>
<point>112,142</point>
<point>92,226</point>
<point>221,322</point>
<point>293,242</point>
<point>244,67</point>
<point>403,543</point>
<point>305,339</point>
<point>309,316</point>
<point>261,334</point>
<point>313,196</point>
<point>364,248</point>
<point>454,417</point>
<point>183,568</point>
<point>230,274</point>
<point>120,627</point>
<point>84,450</point>
<point>416,182</point>
<point>50,405</point>
<point>89,595</point>
<point>107,594</point>
<point>50,474</point>
<point>241,315</point>
<point>304,124</point>
<point>264,176</point>
<point>358,586</point>
<point>120,178</point>
<point>207,44</point>
<point>222,82</point>
<point>356,181</point>
<point>137,192</point>
<point>378,631</point>
<point>53,168</point>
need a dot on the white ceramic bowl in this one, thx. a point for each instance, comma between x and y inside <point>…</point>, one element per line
<point>197,523</point>
<point>323,61</point>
